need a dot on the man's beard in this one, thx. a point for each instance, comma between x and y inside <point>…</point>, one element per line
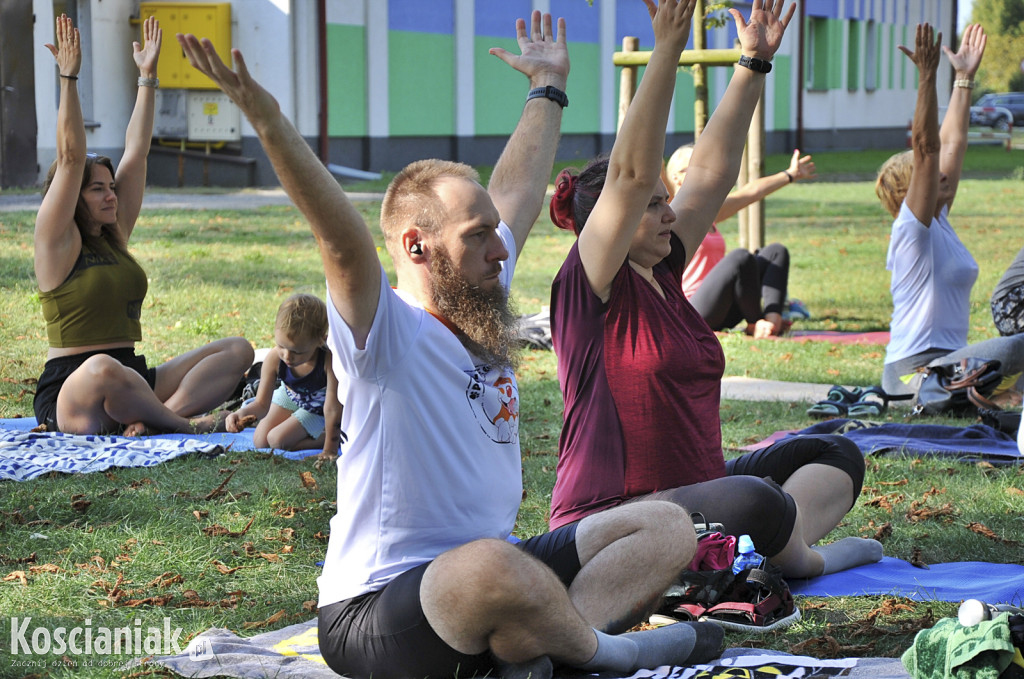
<point>487,320</point>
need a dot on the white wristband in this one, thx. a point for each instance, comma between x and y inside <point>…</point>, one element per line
<point>149,82</point>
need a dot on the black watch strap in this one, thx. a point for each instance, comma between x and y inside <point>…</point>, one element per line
<point>553,93</point>
<point>755,64</point>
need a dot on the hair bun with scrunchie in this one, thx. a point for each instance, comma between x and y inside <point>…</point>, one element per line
<point>562,201</point>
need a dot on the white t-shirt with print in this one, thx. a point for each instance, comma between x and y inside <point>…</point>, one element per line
<point>932,277</point>
<point>432,461</point>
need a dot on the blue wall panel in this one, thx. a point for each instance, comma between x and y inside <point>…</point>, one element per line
<point>632,19</point>
<point>497,18</point>
<point>826,9</point>
<point>582,21</point>
<point>421,17</point>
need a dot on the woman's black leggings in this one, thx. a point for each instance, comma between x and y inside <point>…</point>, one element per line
<point>735,288</point>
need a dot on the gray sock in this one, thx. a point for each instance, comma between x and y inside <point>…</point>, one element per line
<point>848,552</point>
<point>538,668</point>
<point>679,644</point>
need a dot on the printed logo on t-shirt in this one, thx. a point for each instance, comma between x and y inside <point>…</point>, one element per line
<point>496,405</point>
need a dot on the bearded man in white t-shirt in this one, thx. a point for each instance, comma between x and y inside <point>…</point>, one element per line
<point>421,576</point>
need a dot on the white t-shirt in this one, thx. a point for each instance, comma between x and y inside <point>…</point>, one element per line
<point>432,461</point>
<point>932,277</point>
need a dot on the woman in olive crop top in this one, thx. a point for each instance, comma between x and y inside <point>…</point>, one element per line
<point>92,289</point>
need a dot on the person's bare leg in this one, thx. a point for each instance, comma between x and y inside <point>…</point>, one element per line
<point>291,435</point>
<point>823,495</point>
<point>101,395</point>
<point>202,379</point>
<point>607,591</point>
<point>489,594</point>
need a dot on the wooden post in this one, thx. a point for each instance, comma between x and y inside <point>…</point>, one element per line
<point>755,165</point>
<point>700,73</point>
<point>743,216</point>
<point>627,80</point>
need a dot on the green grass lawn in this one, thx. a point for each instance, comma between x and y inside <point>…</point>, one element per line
<point>232,541</point>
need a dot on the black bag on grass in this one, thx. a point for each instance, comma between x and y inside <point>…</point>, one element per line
<point>958,388</point>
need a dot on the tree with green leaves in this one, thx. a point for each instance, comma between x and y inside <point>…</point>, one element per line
<point>1003,21</point>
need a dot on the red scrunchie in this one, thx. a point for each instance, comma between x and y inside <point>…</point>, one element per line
<point>562,201</point>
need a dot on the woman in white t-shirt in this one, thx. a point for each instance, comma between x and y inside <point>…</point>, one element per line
<point>932,271</point>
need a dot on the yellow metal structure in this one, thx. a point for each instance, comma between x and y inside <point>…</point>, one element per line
<point>206,20</point>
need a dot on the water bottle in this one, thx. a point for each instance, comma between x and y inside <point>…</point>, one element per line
<point>746,557</point>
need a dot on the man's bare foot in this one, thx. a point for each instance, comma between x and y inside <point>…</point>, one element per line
<point>136,429</point>
<point>209,423</point>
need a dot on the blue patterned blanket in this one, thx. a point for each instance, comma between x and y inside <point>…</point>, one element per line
<point>24,454</point>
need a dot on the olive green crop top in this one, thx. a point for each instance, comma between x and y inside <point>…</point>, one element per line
<point>100,302</point>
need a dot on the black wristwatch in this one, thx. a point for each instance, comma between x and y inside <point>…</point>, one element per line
<point>755,64</point>
<point>553,93</point>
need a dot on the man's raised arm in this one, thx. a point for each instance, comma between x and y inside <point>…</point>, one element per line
<point>346,246</point>
<point>522,173</point>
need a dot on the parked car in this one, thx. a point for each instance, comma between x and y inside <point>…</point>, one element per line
<point>999,110</point>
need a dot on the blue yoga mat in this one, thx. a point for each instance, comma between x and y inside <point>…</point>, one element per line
<point>994,583</point>
<point>241,441</point>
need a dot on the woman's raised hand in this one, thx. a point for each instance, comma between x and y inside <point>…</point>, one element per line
<point>972,47</point>
<point>68,51</point>
<point>146,55</point>
<point>761,35</point>
<point>671,21</point>
<point>926,49</point>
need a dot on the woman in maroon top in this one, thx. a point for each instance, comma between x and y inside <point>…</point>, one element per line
<point>640,370</point>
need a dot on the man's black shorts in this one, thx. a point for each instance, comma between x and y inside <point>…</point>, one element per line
<point>385,633</point>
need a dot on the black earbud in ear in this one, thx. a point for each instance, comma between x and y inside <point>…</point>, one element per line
<point>416,249</point>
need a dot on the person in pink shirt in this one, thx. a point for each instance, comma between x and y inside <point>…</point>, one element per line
<point>739,286</point>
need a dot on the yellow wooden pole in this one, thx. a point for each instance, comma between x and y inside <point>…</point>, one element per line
<point>627,79</point>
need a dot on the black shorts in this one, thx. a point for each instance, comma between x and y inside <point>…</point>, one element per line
<point>750,498</point>
<point>384,634</point>
<point>58,370</point>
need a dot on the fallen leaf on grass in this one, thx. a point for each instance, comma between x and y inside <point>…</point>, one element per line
<point>1014,491</point>
<point>883,532</point>
<point>889,607</point>
<point>916,560</point>
<point>917,513</point>
<point>79,503</point>
<point>217,530</point>
<point>167,578</point>
<point>219,490</point>
<point>307,480</point>
<point>886,502</point>
<point>200,514</point>
<point>901,482</point>
<point>17,575</point>
<point>276,617</point>
<point>309,606</point>
<point>985,531</point>
<point>226,570</point>
<point>285,512</point>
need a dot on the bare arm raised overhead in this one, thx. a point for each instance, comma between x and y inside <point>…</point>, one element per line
<point>953,133</point>
<point>521,175</point>
<point>923,191</point>
<point>718,152</point>
<point>346,246</point>
<point>634,167</point>
<point>131,171</point>
<point>57,240</point>
<point>800,167</point>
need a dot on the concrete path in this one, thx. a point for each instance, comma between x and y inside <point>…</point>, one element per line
<point>157,200</point>
<point>753,389</point>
